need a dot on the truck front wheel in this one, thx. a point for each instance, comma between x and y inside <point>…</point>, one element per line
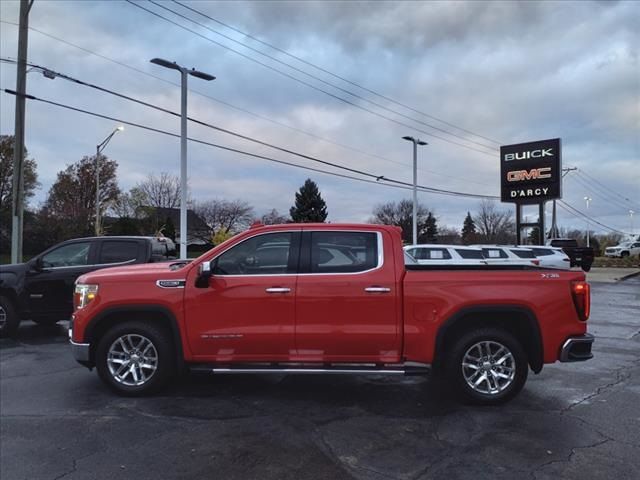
<point>9,320</point>
<point>487,366</point>
<point>135,358</point>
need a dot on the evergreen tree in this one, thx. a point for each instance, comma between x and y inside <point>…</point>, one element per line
<point>309,206</point>
<point>533,236</point>
<point>468,230</point>
<point>431,230</point>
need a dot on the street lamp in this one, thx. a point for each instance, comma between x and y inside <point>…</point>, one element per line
<point>631,212</point>
<point>416,142</point>
<point>587,199</point>
<point>99,148</point>
<point>183,143</point>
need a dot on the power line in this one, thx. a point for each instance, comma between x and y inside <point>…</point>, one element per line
<point>612,193</point>
<point>337,97</point>
<point>566,206</point>
<point>299,70</point>
<point>596,191</point>
<point>252,139</point>
<point>262,117</point>
<point>382,182</point>
<point>324,70</point>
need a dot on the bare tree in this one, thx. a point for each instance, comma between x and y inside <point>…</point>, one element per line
<point>157,192</point>
<point>401,215</point>
<point>274,218</point>
<point>494,226</point>
<point>226,216</point>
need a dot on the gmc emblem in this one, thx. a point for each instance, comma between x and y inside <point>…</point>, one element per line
<point>547,152</point>
<point>533,174</point>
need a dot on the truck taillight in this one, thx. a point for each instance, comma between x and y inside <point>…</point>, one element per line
<point>581,293</point>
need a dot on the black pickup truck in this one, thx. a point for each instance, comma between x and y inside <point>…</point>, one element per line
<point>580,256</point>
<point>42,288</point>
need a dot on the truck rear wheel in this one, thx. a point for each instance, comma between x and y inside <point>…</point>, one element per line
<point>9,320</point>
<point>487,366</point>
<point>135,358</point>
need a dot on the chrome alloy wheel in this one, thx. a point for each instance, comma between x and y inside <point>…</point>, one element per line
<point>132,360</point>
<point>488,367</point>
<point>3,317</point>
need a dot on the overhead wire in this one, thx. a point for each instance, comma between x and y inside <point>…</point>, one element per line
<point>310,85</point>
<point>252,139</point>
<point>299,70</point>
<point>568,207</point>
<point>226,148</point>
<point>328,72</point>
<point>235,107</point>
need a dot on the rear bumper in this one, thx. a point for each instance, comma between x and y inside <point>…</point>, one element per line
<point>577,349</point>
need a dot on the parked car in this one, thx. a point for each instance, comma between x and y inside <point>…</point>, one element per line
<point>628,249</point>
<point>580,256</point>
<point>550,257</point>
<point>506,255</point>
<point>360,312</point>
<point>436,254</point>
<point>42,288</point>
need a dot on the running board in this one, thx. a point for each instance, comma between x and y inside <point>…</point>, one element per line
<point>313,370</point>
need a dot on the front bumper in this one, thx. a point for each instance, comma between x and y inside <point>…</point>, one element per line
<point>613,254</point>
<point>577,349</point>
<point>80,352</point>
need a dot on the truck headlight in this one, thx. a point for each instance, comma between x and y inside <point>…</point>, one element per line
<point>84,294</point>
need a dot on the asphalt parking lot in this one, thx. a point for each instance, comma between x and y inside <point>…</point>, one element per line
<point>573,421</point>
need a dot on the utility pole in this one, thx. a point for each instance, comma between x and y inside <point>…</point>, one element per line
<point>553,232</point>
<point>17,192</point>
<point>184,73</point>
<point>416,142</point>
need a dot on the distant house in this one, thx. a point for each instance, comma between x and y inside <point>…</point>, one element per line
<point>198,233</point>
<point>165,221</point>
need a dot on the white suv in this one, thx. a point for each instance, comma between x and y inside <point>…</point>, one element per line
<point>550,257</point>
<point>506,255</point>
<point>436,254</point>
<point>628,249</point>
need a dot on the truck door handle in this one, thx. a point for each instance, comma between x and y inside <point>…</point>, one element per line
<point>377,290</point>
<point>278,290</point>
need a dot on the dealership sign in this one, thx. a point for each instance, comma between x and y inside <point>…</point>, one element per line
<point>531,172</point>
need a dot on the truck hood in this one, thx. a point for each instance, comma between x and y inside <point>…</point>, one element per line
<point>168,270</point>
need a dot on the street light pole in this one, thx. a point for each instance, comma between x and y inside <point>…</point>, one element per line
<point>631,212</point>
<point>416,142</point>
<point>587,199</point>
<point>183,142</point>
<point>99,148</point>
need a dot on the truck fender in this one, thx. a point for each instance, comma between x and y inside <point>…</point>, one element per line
<point>98,323</point>
<point>517,318</point>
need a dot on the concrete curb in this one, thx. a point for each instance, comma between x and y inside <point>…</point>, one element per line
<point>629,275</point>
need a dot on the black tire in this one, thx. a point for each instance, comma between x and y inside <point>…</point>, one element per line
<point>586,267</point>
<point>165,364</point>
<point>459,376</point>
<point>624,254</point>
<point>9,320</point>
<point>45,322</point>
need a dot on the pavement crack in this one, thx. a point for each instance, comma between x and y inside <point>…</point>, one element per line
<point>621,377</point>
<point>533,473</point>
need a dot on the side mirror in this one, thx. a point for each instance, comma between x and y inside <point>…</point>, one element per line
<point>38,264</point>
<point>204,274</point>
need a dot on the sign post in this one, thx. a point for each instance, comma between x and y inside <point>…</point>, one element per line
<point>531,173</point>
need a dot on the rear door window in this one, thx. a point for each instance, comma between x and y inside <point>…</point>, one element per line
<point>542,252</point>
<point>343,252</point>
<point>470,254</point>
<point>118,251</point>
<point>523,253</point>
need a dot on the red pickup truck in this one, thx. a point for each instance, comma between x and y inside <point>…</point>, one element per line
<point>328,298</point>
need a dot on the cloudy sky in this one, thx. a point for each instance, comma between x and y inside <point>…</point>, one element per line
<point>482,73</point>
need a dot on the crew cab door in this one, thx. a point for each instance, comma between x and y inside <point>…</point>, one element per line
<point>347,305</point>
<point>49,287</point>
<point>247,312</point>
